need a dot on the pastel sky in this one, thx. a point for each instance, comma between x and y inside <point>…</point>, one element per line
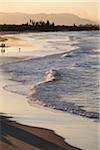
<point>84,8</point>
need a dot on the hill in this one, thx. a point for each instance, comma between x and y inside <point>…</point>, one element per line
<point>59,19</point>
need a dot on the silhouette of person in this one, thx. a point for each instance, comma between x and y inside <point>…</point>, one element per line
<point>19,50</point>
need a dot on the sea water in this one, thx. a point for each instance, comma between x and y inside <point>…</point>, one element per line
<point>77,131</point>
<point>65,78</point>
<point>60,73</point>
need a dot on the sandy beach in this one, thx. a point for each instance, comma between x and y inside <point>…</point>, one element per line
<point>39,127</point>
<point>16,136</point>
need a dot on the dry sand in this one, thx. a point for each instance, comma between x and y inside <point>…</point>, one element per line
<point>14,136</point>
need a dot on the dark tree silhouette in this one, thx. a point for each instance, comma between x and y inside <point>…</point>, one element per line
<point>30,21</point>
<point>48,23</point>
<point>46,26</point>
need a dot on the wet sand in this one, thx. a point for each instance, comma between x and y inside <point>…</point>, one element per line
<point>75,130</point>
<point>17,136</point>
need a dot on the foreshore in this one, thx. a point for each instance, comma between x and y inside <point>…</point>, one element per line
<point>13,32</point>
<point>16,136</point>
<point>73,128</point>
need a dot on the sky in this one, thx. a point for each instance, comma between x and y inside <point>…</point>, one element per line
<point>88,9</point>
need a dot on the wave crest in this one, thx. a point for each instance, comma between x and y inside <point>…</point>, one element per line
<point>49,94</point>
<point>52,75</point>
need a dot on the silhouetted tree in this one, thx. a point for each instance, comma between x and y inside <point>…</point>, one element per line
<point>53,24</point>
<point>33,23</point>
<point>46,26</point>
<point>48,23</point>
<point>30,21</point>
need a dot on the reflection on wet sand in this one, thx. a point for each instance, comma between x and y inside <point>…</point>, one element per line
<point>2,50</point>
<point>2,47</point>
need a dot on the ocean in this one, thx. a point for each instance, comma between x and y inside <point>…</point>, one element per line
<point>61,72</point>
<point>53,82</point>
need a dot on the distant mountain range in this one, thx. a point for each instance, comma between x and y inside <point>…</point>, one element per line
<point>58,19</point>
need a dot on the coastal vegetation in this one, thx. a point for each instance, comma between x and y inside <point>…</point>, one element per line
<point>41,26</point>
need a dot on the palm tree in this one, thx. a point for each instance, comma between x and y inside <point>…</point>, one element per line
<point>48,23</point>
<point>30,21</point>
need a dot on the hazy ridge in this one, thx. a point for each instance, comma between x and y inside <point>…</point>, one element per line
<point>59,19</point>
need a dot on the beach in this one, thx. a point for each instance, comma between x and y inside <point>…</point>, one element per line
<point>27,80</point>
<point>16,136</point>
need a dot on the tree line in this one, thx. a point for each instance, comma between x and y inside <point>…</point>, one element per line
<point>42,26</point>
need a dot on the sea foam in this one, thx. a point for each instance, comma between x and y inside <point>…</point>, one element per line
<point>47,94</point>
<point>66,81</point>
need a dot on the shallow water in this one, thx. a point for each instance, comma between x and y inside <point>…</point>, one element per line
<point>74,84</point>
<point>77,131</point>
<point>37,44</point>
<point>74,87</point>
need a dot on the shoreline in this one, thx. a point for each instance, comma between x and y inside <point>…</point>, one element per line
<point>69,120</point>
<point>70,136</point>
<point>23,32</point>
<point>81,112</point>
<point>15,136</point>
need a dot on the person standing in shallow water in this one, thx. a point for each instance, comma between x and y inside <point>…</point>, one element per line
<point>3,47</point>
<point>19,50</point>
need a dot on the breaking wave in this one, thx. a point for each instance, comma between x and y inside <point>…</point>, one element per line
<point>66,81</point>
<point>47,94</point>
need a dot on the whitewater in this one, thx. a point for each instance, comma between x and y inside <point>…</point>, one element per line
<point>62,73</point>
